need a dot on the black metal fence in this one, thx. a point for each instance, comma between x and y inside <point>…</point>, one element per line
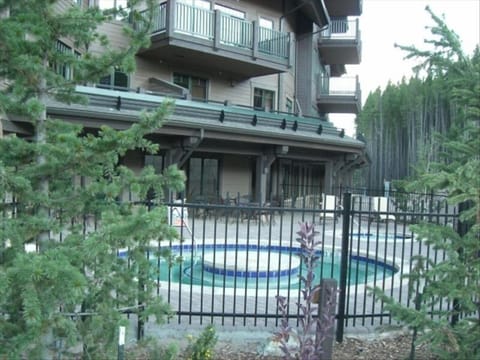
<point>237,257</point>
<point>240,257</point>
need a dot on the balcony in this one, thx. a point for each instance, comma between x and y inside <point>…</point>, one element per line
<point>340,44</point>
<point>192,36</point>
<point>338,95</point>
<point>344,7</point>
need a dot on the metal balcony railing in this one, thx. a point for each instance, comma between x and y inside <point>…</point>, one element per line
<point>342,30</point>
<point>274,42</point>
<point>220,28</point>
<point>235,31</point>
<point>194,21</point>
<point>338,86</point>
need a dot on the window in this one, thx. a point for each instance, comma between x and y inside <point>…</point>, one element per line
<point>118,79</point>
<point>266,23</point>
<point>156,161</point>
<point>301,179</point>
<point>229,11</point>
<point>114,4</point>
<point>263,99</point>
<point>203,178</point>
<point>62,67</point>
<point>195,85</point>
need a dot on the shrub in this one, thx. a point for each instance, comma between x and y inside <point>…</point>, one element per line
<point>202,347</point>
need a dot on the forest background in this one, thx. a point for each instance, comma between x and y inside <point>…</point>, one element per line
<point>401,124</point>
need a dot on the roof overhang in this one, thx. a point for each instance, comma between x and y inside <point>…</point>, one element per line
<point>227,127</point>
<point>226,122</point>
<point>231,131</point>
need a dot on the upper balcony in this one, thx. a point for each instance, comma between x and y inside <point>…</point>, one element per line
<point>338,95</point>
<point>340,44</point>
<point>213,40</point>
<point>344,7</point>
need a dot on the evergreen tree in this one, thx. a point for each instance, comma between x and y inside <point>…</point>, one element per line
<point>61,188</point>
<point>454,332</point>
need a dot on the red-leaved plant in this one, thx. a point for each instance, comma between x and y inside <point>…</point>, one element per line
<point>307,342</point>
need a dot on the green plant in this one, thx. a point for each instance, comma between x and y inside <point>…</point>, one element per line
<point>64,184</point>
<point>202,348</point>
<point>164,352</point>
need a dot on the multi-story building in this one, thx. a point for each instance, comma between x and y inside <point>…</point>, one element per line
<point>254,83</point>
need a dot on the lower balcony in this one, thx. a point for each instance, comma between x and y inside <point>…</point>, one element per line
<point>192,36</point>
<point>338,95</point>
<point>340,43</point>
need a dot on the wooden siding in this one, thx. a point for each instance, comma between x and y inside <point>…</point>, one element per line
<point>114,33</point>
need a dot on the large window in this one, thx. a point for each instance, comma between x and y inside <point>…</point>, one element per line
<point>195,85</point>
<point>263,99</point>
<point>116,80</point>
<point>62,67</point>
<point>301,179</point>
<point>203,179</point>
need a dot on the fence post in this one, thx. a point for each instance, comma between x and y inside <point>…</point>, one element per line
<point>462,229</point>
<point>141,295</point>
<point>121,343</point>
<point>347,199</point>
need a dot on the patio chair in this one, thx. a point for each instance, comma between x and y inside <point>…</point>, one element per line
<point>329,207</point>
<point>380,207</point>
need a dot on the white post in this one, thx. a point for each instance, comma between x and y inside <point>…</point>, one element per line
<point>121,343</point>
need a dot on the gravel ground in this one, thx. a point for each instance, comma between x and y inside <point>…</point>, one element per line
<point>395,347</point>
<point>386,342</point>
<point>378,345</point>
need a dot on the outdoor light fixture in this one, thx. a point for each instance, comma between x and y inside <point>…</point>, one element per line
<point>295,125</point>
<point>320,129</point>
<point>254,120</point>
<point>222,116</point>
<point>283,125</point>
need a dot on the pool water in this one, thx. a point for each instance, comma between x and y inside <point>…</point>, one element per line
<point>260,267</point>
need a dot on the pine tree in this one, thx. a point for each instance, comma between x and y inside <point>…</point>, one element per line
<point>61,188</point>
<point>452,333</point>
